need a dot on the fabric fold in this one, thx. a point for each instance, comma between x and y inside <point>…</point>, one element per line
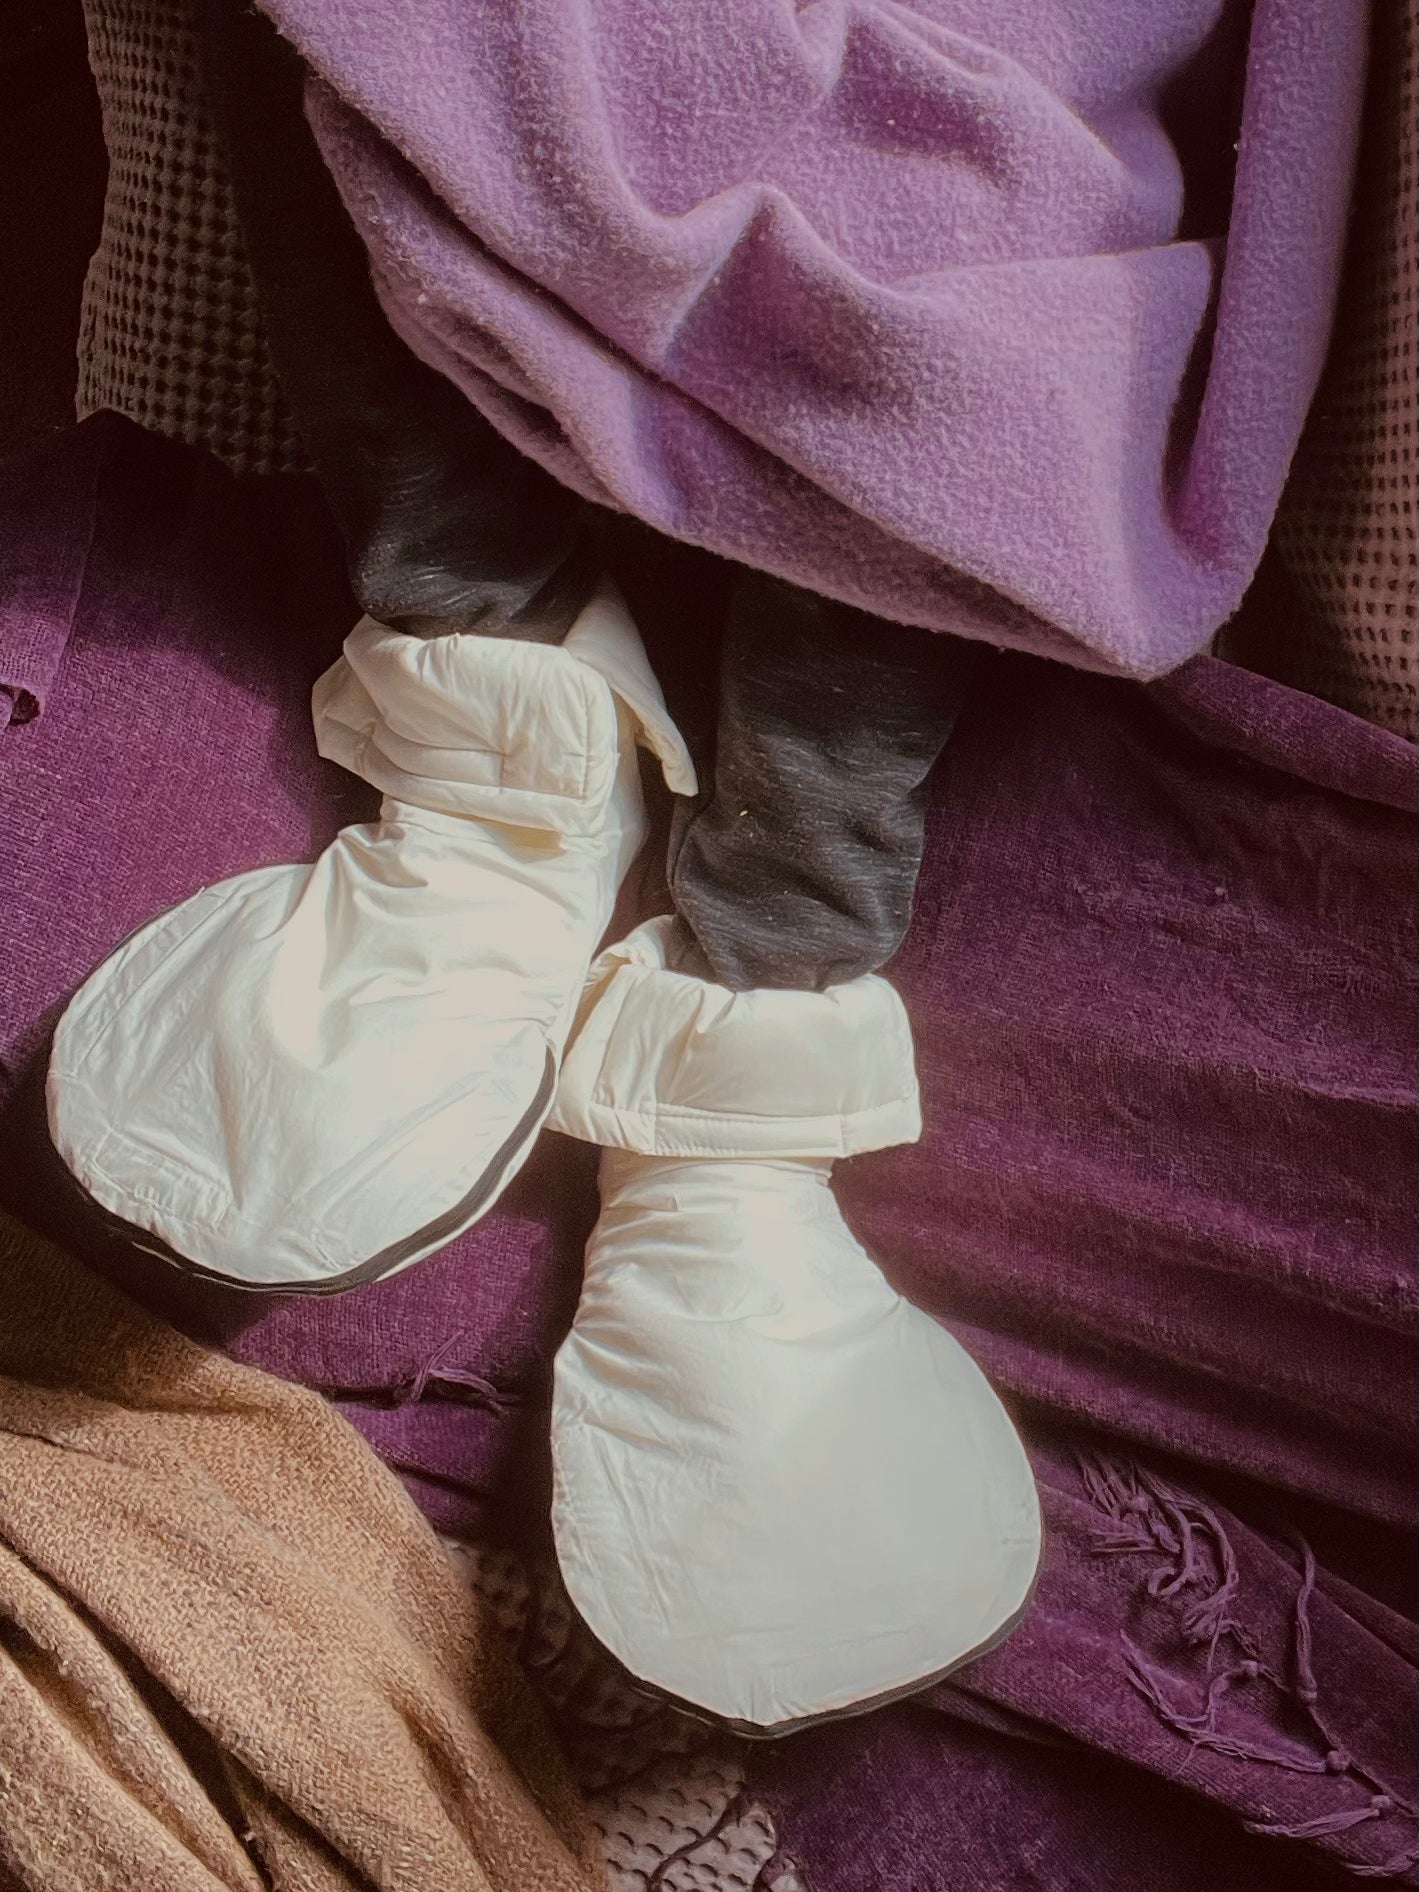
<point>43,580</point>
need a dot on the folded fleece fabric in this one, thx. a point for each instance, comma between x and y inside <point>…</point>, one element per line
<point>963,310</point>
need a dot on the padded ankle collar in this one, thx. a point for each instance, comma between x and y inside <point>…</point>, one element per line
<point>671,1065</point>
<point>520,733</point>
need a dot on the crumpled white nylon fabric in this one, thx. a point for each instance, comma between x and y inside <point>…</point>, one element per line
<point>308,1076</point>
<point>781,1491</point>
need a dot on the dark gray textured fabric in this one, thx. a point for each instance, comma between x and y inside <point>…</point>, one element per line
<point>446,525</point>
<point>796,867</point>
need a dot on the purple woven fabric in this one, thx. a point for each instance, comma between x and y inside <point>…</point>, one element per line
<point>948,309</point>
<point>169,624</point>
<point>1178,1670</point>
<point>1162,977</point>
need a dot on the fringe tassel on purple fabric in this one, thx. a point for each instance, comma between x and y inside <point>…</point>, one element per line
<point>1143,1514</point>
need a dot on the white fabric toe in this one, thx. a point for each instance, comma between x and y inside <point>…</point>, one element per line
<point>781,1492</point>
<point>310,1076</point>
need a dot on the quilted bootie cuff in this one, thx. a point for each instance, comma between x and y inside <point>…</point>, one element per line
<point>521,733</point>
<point>669,1064</point>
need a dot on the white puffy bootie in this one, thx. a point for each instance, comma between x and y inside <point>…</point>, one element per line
<point>310,1076</point>
<point>781,1492</point>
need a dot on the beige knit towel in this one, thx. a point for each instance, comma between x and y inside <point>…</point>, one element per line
<point>233,1657</point>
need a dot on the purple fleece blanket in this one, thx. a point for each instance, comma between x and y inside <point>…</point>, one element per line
<point>945,307</point>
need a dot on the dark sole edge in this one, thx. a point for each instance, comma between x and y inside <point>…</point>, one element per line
<point>409,1248</point>
<point>757,1731</point>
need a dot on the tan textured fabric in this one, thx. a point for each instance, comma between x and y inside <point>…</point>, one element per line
<point>1336,607</point>
<point>171,332</point>
<point>233,1657</point>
